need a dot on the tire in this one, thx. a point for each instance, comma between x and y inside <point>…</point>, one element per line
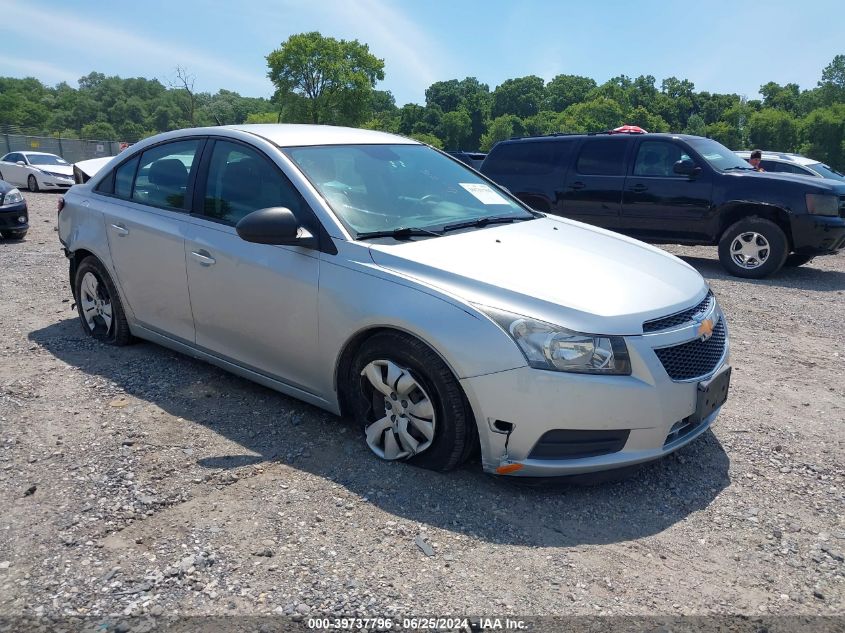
<point>32,183</point>
<point>433,388</point>
<point>14,235</point>
<point>797,259</point>
<point>94,297</point>
<point>760,242</point>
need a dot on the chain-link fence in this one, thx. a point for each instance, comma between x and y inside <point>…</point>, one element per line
<point>71,149</point>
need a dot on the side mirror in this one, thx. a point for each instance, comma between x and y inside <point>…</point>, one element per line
<point>21,163</point>
<point>686,168</point>
<point>276,225</point>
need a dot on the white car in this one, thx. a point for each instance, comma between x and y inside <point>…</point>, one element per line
<point>36,170</point>
<point>786,163</point>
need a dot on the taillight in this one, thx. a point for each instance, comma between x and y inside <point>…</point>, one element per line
<point>60,205</point>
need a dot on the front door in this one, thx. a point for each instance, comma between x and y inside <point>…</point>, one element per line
<point>255,304</point>
<point>146,224</point>
<point>659,204</point>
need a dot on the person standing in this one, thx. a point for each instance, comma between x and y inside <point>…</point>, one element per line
<point>755,158</point>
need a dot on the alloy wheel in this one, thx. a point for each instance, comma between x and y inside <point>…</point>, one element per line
<point>95,302</point>
<point>404,422</point>
<point>750,250</point>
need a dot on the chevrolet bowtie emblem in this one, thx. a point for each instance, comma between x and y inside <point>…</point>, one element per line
<point>705,330</point>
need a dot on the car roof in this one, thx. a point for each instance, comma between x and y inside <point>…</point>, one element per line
<point>564,135</point>
<point>786,157</point>
<point>297,135</point>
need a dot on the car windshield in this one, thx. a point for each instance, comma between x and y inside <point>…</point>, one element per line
<point>719,156</point>
<point>45,159</point>
<point>826,172</point>
<point>383,188</point>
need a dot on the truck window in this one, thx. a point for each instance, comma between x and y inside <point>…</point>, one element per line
<point>602,157</point>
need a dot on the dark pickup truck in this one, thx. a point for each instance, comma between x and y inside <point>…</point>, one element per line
<point>676,189</point>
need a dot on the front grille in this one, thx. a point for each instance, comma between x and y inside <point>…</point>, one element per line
<point>679,318</point>
<point>696,358</point>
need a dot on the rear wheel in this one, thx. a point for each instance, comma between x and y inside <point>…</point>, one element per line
<point>797,259</point>
<point>409,404</point>
<point>98,304</point>
<point>32,183</point>
<point>753,248</point>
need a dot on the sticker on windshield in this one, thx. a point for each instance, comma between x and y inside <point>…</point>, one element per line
<point>484,193</point>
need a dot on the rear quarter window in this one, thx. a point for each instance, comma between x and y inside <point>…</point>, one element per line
<point>528,158</point>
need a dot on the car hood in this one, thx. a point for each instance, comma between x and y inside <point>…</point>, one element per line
<point>811,184</point>
<point>66,170</point>
<point>565,272</point>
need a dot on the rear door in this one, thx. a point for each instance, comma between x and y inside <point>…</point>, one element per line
<point>659,204</point>
<point>254,304</point>
<point>592,189</point>
<point>145,212</point>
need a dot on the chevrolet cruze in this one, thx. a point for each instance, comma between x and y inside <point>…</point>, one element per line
<point>377,278</point>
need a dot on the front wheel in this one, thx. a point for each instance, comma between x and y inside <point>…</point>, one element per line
<point>753,248</point>
<point>98,304</point>
<point>13,235</point>
<point>409,404</point>
<point>32,183</point>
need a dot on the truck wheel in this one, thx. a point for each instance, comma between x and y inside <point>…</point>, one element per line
<point>797,259</point>
<point>753,248</point>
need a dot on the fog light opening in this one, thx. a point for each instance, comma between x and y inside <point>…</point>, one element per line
<point>506,469</point>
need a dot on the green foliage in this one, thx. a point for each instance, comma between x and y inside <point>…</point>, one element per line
<point>501,128</point>
<point>336,77</point>
<point>824,134</point>
<point>521,97</point>
<point>773,129</point>
<point>321,79</point>
<point>428,139</point>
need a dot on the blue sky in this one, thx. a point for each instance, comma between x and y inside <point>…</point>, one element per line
<point>720,46</point>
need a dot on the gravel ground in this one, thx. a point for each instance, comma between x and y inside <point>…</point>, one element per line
<point>139,481</point>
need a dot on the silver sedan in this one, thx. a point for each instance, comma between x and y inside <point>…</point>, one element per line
<point>378,278</point>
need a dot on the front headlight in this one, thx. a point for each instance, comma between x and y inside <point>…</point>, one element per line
<point>822,204</point>
<point>549,346</point>
<point>13,196</point>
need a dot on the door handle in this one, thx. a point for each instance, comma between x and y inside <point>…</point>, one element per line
<point>203,258</point>
<point>639,188</point>
<point>577,185</point>
<point>121,230</point>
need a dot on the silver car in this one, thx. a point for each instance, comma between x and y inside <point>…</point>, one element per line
<point>375,277</point>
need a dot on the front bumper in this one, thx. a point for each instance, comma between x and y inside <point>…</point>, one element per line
<point>10,217</point>
<point>51,182</point>
<point>655,411</point>
<point>818,234</point>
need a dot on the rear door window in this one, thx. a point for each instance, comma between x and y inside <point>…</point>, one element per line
<point>602,157</point>
<point>164,174</point>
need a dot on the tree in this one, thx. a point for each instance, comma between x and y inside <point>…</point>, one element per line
<point>725,133</point>
<point>566,90</point>
<point>100,131</point>
<point>824,131</point>
<point>779,97</point>
<point>455,129</point>
<point>185,81</point>
<point>695,126</point>
<point>773,129</point>
<point>428,139</point>
<point>335,77</point>
<point>521,97</point>
<point>501,128</point>
<point>832,85</point>
<point>593,116</point>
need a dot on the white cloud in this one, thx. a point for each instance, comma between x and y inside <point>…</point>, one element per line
<point>110,41</point>
<point>46,72</point>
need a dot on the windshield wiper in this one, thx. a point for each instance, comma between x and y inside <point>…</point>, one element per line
<point>503,219</point>
<point>401,233</point>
